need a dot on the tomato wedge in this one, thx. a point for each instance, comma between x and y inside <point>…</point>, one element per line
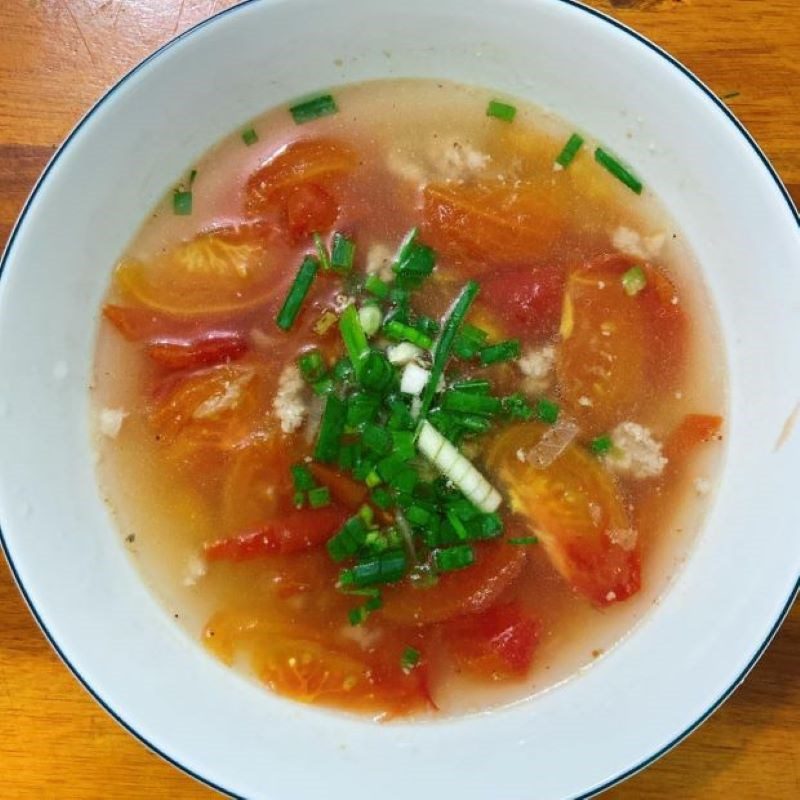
<point>467,591</point>
<point>693,430</point>
<point>295,662</point>
<point>310,208</point>
<point>577,513</point>
<point>308,161</point>
<point>496,644</point>
<point>205,351</point>
<point>350,493</point>
<point>214,408</point>
<point>615,347</point>
<point>218,272</point>
<point>492,222</point>
<point>292,533</point>
<point>527,299</point>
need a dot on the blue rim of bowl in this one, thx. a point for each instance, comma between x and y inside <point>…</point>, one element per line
<point>189,32</point>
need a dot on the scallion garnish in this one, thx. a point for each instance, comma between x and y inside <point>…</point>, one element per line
<point>570,150</point>
<point>355,340</point>
<point>387,567</point>
<point>322,251</point>
<point>453,558</point>
<point>620,172</point>
<point>330,429</point>
<point>547,410</point>
<point>410,659</point>
<point>523,540</point>
<point>504,351</point>
<point>633,281</point>
<point>182,202</point>
<point>311,365</point>
<point>476,385</point>
<point>414,261</point>
<point>398,332</point>
<point>312,109</point>
<point>371,318</point>
<point>349,540</point>
<point>471,403</point>
<point>500,110</point>
<point>343,252</point>
<point>374,285</point>
<point>376,372</point>
<point>445,343</point>
<point>319,497</point>
<point>302,478</point>
<point>601,444</point>
<point>249,136</point>
<point>517,407</point>
<point>297,293</point>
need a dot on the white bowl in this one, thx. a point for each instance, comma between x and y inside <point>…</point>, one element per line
<point>696,645</point>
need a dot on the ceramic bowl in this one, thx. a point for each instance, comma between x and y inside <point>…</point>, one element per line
<point>696,644</point>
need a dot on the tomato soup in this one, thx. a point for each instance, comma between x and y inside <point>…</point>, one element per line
<point>409,399</point>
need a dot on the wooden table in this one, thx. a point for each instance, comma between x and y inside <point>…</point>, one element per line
<point>56,57</point>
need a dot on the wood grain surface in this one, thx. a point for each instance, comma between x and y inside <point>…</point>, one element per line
<point>56,57</point>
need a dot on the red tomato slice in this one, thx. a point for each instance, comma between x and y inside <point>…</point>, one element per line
<point>318,161</point>
<point>205,351</point>
<point>575,510</point>
<point>292,533</point>
<point>295,662</point>
<point>493,222</point>
<point>467,591</point>
<point>498,643</point>
<point>350,493</point>
<point>615,348</point>
<point>693,430</point>
<point>310,208</point>
<point>527,299</point>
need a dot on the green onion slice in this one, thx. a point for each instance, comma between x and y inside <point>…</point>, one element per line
<point>249,136</point>
<point>182,203</point>
<point>314,108</point>
<point>620,172</point>
<point>633,281</point>
<point>570,150</point>
<point>500,110</point>
<point>297,293</point>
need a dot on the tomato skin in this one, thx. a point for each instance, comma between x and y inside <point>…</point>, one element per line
<point>527,298</point>
<point>310,208</point>
<point>213,348</point>
<point>495,644</point>
<point>577,513</point>
<point>468,591</point>
<point>294,532</point>
<point>693,430</point>
<point>350,493</point>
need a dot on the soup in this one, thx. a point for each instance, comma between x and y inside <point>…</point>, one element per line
<point>409,399</point>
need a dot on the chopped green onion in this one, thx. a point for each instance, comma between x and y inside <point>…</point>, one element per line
<point>355,340</point>
<point>523,540</point>
<point>453,558</point>
<point>349,540</point>
<point>249,136</point>
<point>319,497</point>
<point>343,251</point>
<point>476,385</point>
<point>375,286</point>
<point>504,351</point>
<point>371,319</point>
<point>469,342</point>
<point>445,343</point>
<point>570,150</point>
<point>192,176</point>
<point>361,408</point>
<point>458,525</point>
<point>517,407</point>
<point>409,659</point>
<point>367,515</point>
<point>619,171</point>
<point>382,498</point>
<point>633,281</point>
<point>297,293</point>
<point>302,478</point>
<point>414,261</point>
<point>385,568</point>
<point>311,365</point>
<point>323,386</point>
<point>398,332</point>
<point>373,479</point>
<point>343,369</point>
<point>330,429</point>
<point>405,480</point>
<point>312,109</point>
<point>403,444</point>
<point>547,410</point>
<point>377,439</point>
<point>472,422</point>
<point>470,403</point>
<point>601,444</point>
<point>376,371</point>
<point>501,110</point>
<point>427,325</point>
<point>322,251</point>
<point>417,515</point>
<point>182,203</point>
